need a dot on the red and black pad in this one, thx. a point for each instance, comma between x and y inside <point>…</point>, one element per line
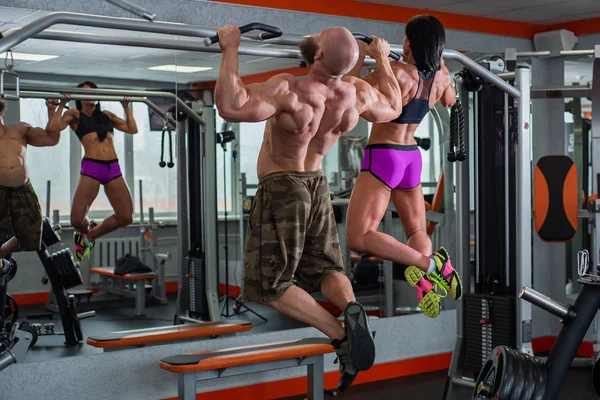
<point>171,333</point>
<point>255,354</point>
<point>555,198</point>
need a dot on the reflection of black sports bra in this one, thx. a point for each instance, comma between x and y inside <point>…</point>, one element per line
<point>98,122</point>
<point>418,107</point>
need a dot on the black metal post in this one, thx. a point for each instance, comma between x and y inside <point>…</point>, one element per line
<point>564,350</point>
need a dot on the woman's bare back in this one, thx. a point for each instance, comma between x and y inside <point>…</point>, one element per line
<point>408,78</point>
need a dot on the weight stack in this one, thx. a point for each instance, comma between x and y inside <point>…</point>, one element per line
<point>490,321</point>
<point>194,288</point>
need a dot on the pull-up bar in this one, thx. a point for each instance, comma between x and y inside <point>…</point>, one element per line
<point>96,93</point>
<point>151,105</point>
<point>155,43</point>
<point>133,8</point>
<point>295,40</point>
<point>34,28</point>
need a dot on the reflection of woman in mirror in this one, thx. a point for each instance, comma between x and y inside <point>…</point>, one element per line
<point>391,169</point>
<point>100,166</point>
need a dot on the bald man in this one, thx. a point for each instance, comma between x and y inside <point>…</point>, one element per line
<point>292,229</point>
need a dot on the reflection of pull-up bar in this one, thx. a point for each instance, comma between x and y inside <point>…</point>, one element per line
<point>32,29</point>
<point>133,8</point>
<point>96,93</point>
<point>151,105</point>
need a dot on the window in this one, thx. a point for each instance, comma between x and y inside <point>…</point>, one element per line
<point>159,185</point>
<point>48,163</point>
<point>251,138</point>
<point>225,161</point>
<point>101,206</point>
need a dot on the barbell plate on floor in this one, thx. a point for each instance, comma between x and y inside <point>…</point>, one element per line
<point>529,376</point>
<point>497,377</point>
<point>540,378</point>
<point>520,374</point>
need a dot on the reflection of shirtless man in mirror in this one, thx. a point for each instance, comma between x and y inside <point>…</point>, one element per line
<point>20,212</point>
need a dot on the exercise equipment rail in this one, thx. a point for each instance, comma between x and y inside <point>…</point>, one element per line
<point>34,28</point>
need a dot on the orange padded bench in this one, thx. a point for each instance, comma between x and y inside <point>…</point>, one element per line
<point>116,284</point>
<point>154,336</point>
<point>196,367</point>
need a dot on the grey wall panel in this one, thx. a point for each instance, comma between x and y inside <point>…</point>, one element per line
<point>134,374</point>
<point>216,14</point>
<point>548,138</point>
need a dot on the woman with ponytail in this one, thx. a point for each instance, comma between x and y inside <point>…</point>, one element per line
<point>94,127</point>
<point>391,168</point>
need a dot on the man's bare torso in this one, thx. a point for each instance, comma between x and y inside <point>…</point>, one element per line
<point>13,150</point>
<point>312,113</point>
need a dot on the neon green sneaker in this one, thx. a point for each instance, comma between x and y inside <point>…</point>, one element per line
<point>429,300</point>
<point>444,275</point>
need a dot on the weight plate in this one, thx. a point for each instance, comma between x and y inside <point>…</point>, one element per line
<point>49,236</point>
<point>596,375</point>
<point>11,310</point>
<point>519,380</point>
<point>528,375</point>
<point>497,377</point>
<point>540,379</point>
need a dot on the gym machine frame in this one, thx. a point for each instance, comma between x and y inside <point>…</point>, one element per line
<point>15,36</point>
<point>523,213</point>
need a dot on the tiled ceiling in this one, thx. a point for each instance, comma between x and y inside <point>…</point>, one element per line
<point>105,61</point>
<point>544,12</point>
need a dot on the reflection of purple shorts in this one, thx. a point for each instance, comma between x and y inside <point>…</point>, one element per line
<point>397,166</point>
<point>103,171</point>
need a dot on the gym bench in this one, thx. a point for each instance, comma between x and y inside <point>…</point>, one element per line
<point>122,340</point>
<point>123,285</point>
<point>195,367</point>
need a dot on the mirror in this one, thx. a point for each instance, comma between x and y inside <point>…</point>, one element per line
<point>55,173</point>
<point>577,125</point>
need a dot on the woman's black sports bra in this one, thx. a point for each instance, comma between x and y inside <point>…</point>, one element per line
<point>418,107</point>
<point>98,122</point>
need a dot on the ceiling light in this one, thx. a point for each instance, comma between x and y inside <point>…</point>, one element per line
<point>179,68</point>
<point>28,56</point>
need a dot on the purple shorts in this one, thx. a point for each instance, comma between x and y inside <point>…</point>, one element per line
<point>103,171</point>
<point>397,166</point>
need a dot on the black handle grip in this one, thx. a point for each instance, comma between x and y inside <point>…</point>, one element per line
<point>271,32</point>
<point>368,40</point>
<point>424,143</point>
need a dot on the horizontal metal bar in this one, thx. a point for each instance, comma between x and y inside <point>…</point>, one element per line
<point>151,105</point>
<point>544,302</point>
<point>578,362</point>
<point>156,43</point>
<point>433,216</point>
<point>100,21</point>
<point>294,40</point>
<point>507,76</point>
<point>524,54</point>
<point>114,92</point>
<point>577,52</point>
<point>133,8</point>
<point>32,29</point>
<point>560,92</point>
<point>463,382</point>
<point>584,214</point>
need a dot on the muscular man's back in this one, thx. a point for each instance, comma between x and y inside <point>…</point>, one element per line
<point>313,112</point>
